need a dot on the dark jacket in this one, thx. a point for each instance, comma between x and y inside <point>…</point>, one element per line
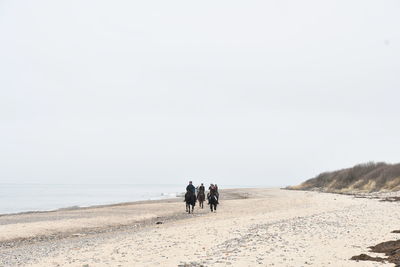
<point>201,188</point>
<point>191,188</point>
<point>212,190</point>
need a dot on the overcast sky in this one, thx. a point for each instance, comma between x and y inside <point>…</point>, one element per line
<point>232,92</point>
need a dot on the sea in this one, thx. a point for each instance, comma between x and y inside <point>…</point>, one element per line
<point>17,198</point>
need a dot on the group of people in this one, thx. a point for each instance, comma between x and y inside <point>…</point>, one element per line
<point>200,190</point>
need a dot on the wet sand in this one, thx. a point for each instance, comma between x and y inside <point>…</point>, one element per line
<point>252,227</point>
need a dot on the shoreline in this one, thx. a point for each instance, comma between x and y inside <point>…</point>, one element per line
<point>176,198</point>
<point>255,226</point>
<point>159,199</point>
<point>92,206</point>
<point>101,220</point>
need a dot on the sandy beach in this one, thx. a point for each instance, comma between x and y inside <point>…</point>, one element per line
<point>252,227</point>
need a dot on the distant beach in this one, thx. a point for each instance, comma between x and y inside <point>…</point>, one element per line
<point>252,227</point>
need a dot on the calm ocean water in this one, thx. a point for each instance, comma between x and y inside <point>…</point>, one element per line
<point>41,197</point>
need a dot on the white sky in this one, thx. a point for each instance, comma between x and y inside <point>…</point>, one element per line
<point>230,92</point>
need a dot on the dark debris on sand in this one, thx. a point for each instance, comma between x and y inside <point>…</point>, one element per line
<point>365,257</point>
<point>191,264</point>
<point>391,199</point>
<point>391,249</point>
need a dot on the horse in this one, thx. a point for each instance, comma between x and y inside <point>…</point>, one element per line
<point>190,199</point>
<point>201,197</point>
<point>213,202</point>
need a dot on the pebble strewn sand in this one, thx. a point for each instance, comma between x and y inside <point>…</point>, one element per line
<point>252,227</point>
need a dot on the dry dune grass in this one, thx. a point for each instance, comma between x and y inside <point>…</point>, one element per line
<point>368,177</point>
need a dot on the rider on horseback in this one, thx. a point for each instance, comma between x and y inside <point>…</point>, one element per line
<point>216,191</point>
<point>213,192</point>
<point>191,188</point>
<point>201,188</point>
<point>201,196</point>
<point>190,197</point>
